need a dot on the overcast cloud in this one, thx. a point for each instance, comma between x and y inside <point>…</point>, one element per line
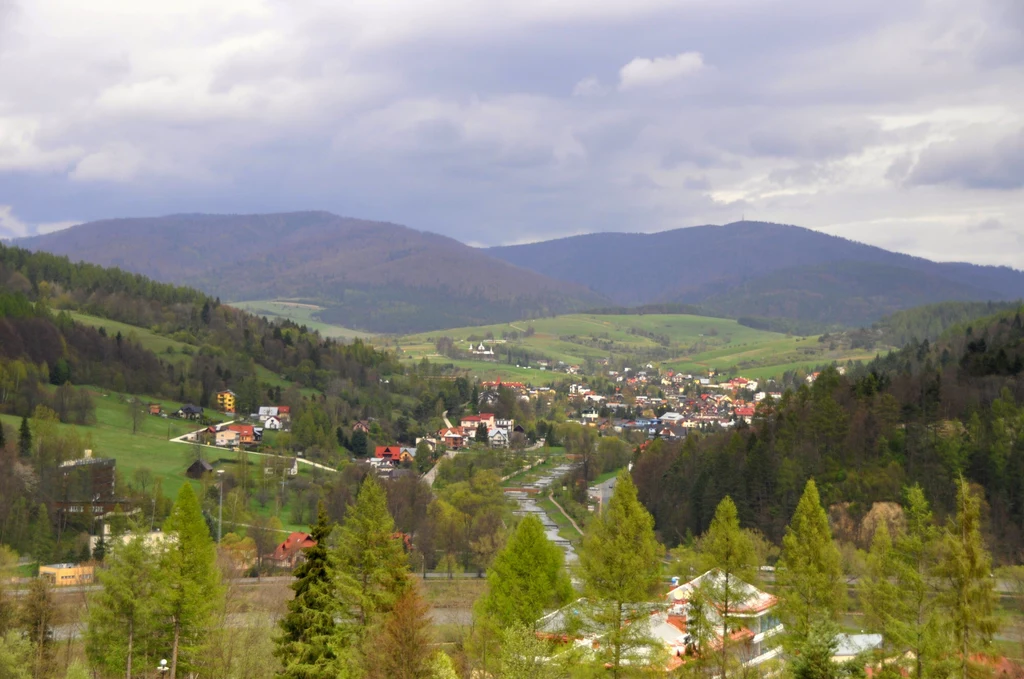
<point>895,123</point>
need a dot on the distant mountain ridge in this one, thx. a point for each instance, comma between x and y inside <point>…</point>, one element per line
<point>761,269</point>
<point>369,275</point>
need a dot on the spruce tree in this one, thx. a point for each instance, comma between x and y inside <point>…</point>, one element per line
<point>809,573</point>
<point>121,614</point>
<point>527,577</point>
<point>309,645</point>
<point>728,548</point>
<point>620,567</point>
<point>372,564</point>
<point>24,438</point>
<point>968,593</point>
<point>191,589</point>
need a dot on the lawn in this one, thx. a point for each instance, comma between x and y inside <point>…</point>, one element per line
<point>302,313</point>
<point>158,344</point>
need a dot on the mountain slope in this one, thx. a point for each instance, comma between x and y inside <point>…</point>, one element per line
<point>761,269</point>
<point>368,275</point>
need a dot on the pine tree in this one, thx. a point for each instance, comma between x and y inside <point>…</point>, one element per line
<point>372,564</point>
<point>121,614</point>
<point>309,644</point>
<point>968,593</point>
<point>402,647</point>
<point>898,592</point>
<point>809,573</point>
<point>190,580</point>
<point>730,549</point>
<point>24,438</point>
<point>620,567</point>
<point>527,577</point>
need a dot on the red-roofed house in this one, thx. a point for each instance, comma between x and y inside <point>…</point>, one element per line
<point>394,453</point>
<point>289,552</point>
<point>245,432</point>
<point>471,422</point>
<point>452,438</point>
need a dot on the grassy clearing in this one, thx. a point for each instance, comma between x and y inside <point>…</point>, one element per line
<point>158,344</point>
<point>300,312</point>
<point>680,342</point>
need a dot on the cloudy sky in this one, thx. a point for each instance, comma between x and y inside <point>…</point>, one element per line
<point>895,123</point>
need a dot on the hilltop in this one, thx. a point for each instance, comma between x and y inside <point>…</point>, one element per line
<point>761,269</point>
<point>366,275</point>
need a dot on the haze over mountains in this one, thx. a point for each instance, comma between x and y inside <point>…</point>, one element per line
<point>388,278</point>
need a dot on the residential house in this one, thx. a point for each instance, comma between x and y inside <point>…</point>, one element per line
<point>394,454</point>
<point>155,409</point>
<point>67,574</point>
<point>361,425</point>
<point>469,423</point>
<point>227,437</point>
<point>849,646</point>
<point>756,627</point>
<point>498,438</point>
<point>246,433</point>
<point>266,412</point>
<point>430,442</point>
<point>452,438</point>
<point>226,400</point>
<point>290,552</point>
<point>285,413</point>
<point>198,468</point>
<point>273,422</point>
<point>190,412</point>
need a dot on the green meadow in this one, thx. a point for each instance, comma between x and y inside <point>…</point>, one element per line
<point>300,312</point>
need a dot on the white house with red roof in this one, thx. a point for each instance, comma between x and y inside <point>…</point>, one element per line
<point>471,422</point>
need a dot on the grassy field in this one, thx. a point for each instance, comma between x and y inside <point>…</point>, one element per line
<point>158,344</point>
<point>300,312</point>
<point>680,342</point>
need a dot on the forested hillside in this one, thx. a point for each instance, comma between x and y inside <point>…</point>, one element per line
<point>367,275</point>
<point>925,415</point>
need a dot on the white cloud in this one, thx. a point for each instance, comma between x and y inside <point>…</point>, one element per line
<point>11,226</point>
<point>642,72</point>
<point>589,87</point>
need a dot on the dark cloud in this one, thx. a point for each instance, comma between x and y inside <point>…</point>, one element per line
<point>973,163</point>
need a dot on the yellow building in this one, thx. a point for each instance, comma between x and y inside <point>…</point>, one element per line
<point>226,401</point>
<point>67,574</point>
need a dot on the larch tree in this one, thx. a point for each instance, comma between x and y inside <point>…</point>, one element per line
<point>309,646</point>
<point>38,618</point>
<point>967,595</point>
<point>620,567</point>
<point>188,573</point>
<point>898,590</point>
<point>121,614</point>
<point>809,573</point>
<point>401,648</point>
<point>372,565</point>
<point>524,656</point>
<point>527,577</point>
<point>729,549</point>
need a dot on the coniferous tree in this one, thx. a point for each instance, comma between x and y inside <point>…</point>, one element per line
<point>898,591</point>
<point>38,617</point>
<point>968,593</point>
<point>809,573</point>
<point>527,577</point>
<point>121,614</point>
<point>372,564</point>
<point>524,656</point>
<point>309,645</point>
<point>191,588</point>
<point>402,647</point>
<point>24,438</point>
<point>620,567</point>
<point>728,548</point>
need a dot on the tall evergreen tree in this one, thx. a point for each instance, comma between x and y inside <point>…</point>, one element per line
<point>121,614</point>
<point>898,591</point>
<point>620,566</point>
<point>190,579</point>
<point>968,593</point>
<point>402,647</point>
<point>528,576</point>
<point>38,618</point>
<point>24,438</point>
<point>372,564</point>
<point>728,548</point>
<point>309,646</point>
<point>809,573</point>
<point>524,656</point>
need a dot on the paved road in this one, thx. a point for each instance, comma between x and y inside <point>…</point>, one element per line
<point>183,439</point>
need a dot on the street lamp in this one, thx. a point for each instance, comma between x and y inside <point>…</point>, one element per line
<point>220,510</point>
<point>162,668</point>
